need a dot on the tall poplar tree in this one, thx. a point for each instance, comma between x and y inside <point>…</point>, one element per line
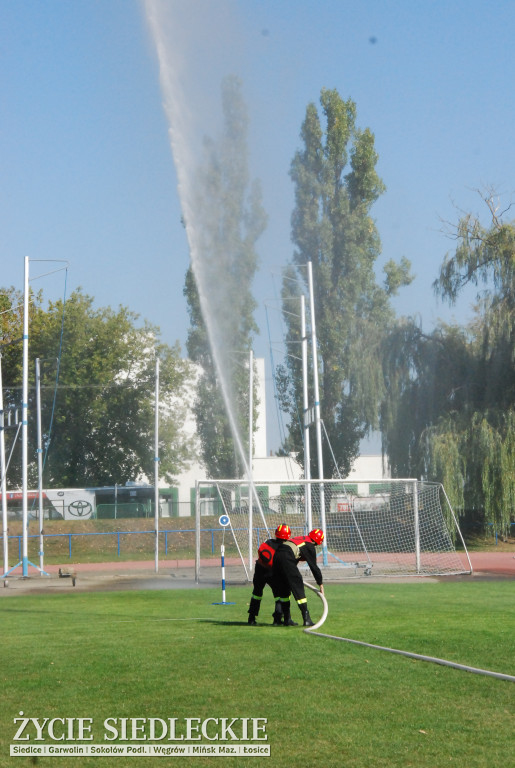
<point>227,219</point>
<point>336,185</point>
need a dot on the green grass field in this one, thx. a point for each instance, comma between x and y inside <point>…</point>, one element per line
<point>174,654</point>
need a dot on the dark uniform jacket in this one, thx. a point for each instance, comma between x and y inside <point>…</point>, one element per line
<point>267,551</point>
<point>308,553</point>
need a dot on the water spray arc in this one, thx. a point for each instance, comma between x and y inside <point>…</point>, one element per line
<point>211,284</point>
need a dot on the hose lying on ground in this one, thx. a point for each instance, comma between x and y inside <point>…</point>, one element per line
<point>420,657</point>
<point>324,612</point>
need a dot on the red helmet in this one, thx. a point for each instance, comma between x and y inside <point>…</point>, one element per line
<point>283,532</point>
<point>317,535</point>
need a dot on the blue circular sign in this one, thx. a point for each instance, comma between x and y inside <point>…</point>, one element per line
<point>224,520</point>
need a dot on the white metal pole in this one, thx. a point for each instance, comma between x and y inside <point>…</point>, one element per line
<point>316,393</point>
<point>24,421</point>
<point>5,534</point>
<point>250,477</point>
<point>457,528</point>
<point>417,526</point>
<point>197,531</point>
<point>156,465</point>
<point>40,465</point>
<point>222,554</point>
<point>307,451</point>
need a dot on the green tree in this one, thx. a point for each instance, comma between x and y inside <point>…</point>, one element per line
<point>450,411</point>
<point>226,221</point>
<point>485,258</point>
<point>426,375</point>
<point>336,185</point>
<point>102,413</point>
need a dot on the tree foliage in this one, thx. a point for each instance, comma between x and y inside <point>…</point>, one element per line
<point>226,220</point>
<point>449,414</point>
<point>336,185</point>
<point>97,393</point>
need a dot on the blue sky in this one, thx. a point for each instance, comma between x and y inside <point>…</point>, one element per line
<point>86,169</point>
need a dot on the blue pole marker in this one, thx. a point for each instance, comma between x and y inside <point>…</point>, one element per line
<point>224,522</point>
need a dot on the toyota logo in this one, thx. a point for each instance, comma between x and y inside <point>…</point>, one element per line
<point>79,508</point>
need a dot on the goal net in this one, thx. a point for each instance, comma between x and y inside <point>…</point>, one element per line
<point>372,528</point>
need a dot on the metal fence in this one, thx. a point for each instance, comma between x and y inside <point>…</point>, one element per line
<point>125,544</point>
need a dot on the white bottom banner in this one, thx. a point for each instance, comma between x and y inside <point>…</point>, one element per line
<point>146,750</point>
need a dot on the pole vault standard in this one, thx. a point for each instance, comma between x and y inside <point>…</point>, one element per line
<point>25,429</point>
<point>24,562</point>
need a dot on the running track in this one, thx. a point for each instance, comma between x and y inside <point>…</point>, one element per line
<point>482,562</point>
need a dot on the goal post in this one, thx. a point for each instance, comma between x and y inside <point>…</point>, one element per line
<point>402,527</point>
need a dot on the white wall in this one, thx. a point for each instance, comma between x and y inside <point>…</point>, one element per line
<point>260,445</point>
<point>281,468</point>
<point>369,468</point>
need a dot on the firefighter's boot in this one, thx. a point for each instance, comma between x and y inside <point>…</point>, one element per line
<point>306,618</point>
<point>253,610</point>
<point>278,614</point>
<point>288,621</point>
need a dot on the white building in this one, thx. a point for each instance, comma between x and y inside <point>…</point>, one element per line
<point>264,467</point>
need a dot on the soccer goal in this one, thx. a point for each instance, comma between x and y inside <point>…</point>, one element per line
<point>372,527</point>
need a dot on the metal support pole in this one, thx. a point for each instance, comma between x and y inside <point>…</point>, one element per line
<point>417,526</point>
<point>3,470</point>
<point>24,421</point>
<point>40,466</point>
<point>222,556</point>
<point>197,531</point>
<point>156,465</point>
<point>250,475</point>
<point>307,450</point>
<point>316,393</point>
<point>24,562</point>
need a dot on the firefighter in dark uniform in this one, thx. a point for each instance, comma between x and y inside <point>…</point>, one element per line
<point>307,548</point>
<point>287,579</point>
<point>263,571</point>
